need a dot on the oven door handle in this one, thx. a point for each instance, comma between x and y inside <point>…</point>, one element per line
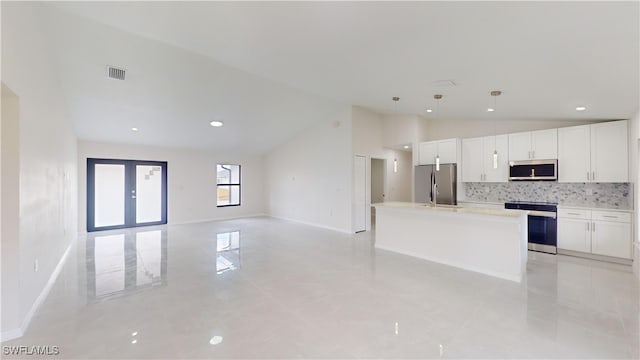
<point>549,214</point>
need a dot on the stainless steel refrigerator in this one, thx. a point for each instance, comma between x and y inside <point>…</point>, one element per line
<point>445,178</point>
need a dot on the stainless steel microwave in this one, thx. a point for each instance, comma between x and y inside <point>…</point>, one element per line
<point>533,170</point>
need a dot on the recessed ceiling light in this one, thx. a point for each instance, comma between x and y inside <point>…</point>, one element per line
<point>215,340</point>
<point>581,108</point>
<point>134,129</point>
<point>216,123</point>
<point>429,110</point>
<point>491,110</point>
<point>406,146</point>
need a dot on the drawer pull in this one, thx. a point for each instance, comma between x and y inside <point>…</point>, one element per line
<point>610,216</point>
<point>573,213</point>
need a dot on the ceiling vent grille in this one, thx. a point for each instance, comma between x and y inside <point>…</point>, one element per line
<point>115,73</point>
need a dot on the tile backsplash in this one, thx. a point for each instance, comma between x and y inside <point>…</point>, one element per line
<point>614,195</point>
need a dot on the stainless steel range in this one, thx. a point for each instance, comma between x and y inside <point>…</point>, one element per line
<point>542,224</point>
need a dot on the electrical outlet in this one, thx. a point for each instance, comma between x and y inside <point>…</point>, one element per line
<point>487,189</point>
<point>35,266</point>
<point>589,192</point>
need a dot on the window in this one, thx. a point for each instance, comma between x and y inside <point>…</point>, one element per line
<point>228,191</point>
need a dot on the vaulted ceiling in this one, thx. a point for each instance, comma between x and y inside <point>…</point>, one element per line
<point>270,70</point>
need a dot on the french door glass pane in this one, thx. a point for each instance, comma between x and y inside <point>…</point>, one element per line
<point>148,193</point>
<point>109,195</point>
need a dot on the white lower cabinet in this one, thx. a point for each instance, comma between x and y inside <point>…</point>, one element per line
<point>574,234</point>
<point>595,231</point>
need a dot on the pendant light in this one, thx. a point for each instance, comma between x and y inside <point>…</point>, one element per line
<point>495,94</point>
<point>395,161</point>
<point>437,97</point>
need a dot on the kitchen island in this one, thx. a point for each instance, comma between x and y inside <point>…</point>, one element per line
<point>488,241</point>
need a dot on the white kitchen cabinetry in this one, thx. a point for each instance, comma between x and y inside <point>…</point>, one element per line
<point>574,230</point>
<point>534,145</point>
<point>611,234</point>
<point>447,150</point>
<point>574,154</point>
<point>477,159</point>
<point>609,152</point>
<point>593,153</point>
<point>597,232</point>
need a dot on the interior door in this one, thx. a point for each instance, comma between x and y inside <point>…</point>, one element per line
<point>360,193</point>
<point>125,193</point>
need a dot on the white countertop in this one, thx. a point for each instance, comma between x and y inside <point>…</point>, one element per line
<point>582,207</point>
<point>462,209</point>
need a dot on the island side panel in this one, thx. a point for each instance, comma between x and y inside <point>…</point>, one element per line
<point>492,245</point>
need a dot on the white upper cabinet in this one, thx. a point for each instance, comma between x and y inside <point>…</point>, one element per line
<point>541,144</point>
<point>544,144</point>
<point>472,160</point>
<point>477,159</point>
<point>520,146</point>
<point>500,144</point>
<point>574,154</point>
<point>593,153</point>
<point>446,150</point>
<point>609,152</point>
<point>427,153</point>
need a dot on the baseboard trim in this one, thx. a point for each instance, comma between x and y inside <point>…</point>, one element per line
<point>11,334</point>
<point>609,259</point>
<point>16,333</point>
<point>311,224</point>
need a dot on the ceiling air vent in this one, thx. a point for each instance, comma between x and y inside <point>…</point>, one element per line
<point>115,73</point>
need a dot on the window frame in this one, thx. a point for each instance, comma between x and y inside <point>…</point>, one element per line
<point>230,184</point>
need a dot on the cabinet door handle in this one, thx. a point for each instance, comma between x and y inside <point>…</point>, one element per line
<point>593,175</point>
<point>587,226</point>
<point>533,154</point>
<point>588,176</point>
<point>529,154</point>
<point>593,227</point>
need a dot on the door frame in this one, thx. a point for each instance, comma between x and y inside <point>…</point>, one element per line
<point>130,184</point>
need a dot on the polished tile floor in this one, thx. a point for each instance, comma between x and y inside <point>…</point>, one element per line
<point>265,288</point>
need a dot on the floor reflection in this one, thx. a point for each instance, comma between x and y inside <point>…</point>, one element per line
<point>227,251</point>
<point>119,264</point>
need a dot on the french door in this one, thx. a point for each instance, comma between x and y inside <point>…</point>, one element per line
<point>125,193</point>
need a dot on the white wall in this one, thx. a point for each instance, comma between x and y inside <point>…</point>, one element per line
<point>47,154</point>
<point>309,178</point>
<point>10,209</point>
<point>191,181</point>
<point>446,129</point>
<point>400,129</point>
<point>370,132</point>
